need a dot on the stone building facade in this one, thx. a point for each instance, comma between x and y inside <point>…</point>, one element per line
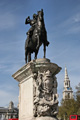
<point>10,112</point>
<point>67,92</point>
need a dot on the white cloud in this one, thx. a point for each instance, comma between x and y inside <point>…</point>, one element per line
<point>2,66</point>
<point>71,20</point>
<point>74,29</point>
<point>77,18</point>
<point>7,21</point>
<point>70,25</point>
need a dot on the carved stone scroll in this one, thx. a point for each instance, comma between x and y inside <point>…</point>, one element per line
<point>45,94</point>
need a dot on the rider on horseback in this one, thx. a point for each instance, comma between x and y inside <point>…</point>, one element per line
<point>32,24</point>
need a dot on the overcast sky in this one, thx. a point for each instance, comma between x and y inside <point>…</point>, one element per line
<point>62,21</point>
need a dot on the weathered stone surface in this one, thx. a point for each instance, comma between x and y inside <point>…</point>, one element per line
<point>45,98</point>
<point>38,98</point>
<point>35,66</point>
<point>46,118</point>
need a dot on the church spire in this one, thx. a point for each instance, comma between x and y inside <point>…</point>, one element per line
<point>66,74</point>
<point>67,92</point>
<point>66,79</point>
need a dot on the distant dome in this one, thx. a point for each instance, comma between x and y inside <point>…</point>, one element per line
<point>11,102</point>
<point>11,105</point>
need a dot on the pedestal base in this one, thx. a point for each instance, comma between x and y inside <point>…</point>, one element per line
<point>38,90</point>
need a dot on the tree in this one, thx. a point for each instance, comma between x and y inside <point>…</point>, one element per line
<point>67,108</point>
<point>70,106</point>
<point>78,98</point>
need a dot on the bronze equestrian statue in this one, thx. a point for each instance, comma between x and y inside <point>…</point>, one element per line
<point>36,36</point>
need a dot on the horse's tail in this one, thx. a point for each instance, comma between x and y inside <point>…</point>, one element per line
<point>46,41</point>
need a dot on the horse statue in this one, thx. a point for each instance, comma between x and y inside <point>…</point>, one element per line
<point>38,37</point>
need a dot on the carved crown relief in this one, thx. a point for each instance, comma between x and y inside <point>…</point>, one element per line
<point>45,98</point>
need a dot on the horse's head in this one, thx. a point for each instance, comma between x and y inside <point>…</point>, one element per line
<point>40,15</point>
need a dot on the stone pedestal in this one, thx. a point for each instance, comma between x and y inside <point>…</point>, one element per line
<point>38,98</point>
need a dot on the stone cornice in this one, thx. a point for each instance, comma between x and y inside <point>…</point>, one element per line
<point>34,66</point>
